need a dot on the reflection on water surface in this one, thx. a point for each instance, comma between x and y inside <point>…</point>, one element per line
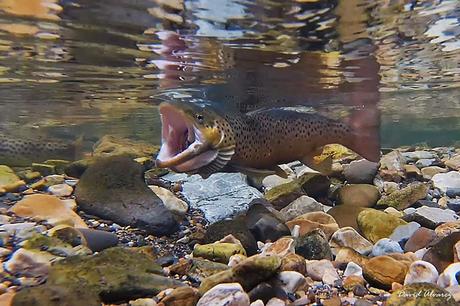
<point>100,67</point>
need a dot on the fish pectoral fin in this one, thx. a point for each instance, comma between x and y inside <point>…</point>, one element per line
<point>261,172</point>
<point>321,165</point>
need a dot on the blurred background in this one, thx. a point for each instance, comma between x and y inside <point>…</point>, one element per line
<point>92,68</point>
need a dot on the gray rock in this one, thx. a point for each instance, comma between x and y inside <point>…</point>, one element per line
<point>431,217</point>
<point>422,163</point>
<point>445,181</point>
<point>416,155</point>
<point>300,206</point>
<point>403,232</point>
<point>386,246</point>
<point>263,224</point>
<point>453,192</point>
<point>221,196</point>
<point>21,231</point>
<point>454,205</point>
<point>360,172</point>
<point>113,188</point>
<point>394,161</point>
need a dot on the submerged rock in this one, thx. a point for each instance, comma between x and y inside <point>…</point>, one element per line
<point>313,245</point>
<point>314,220</point>
<point>360,172</point>
<point>361,195</point>
<point>220,252</point>
<point>349,237</point>
<point>441,253</point>
<point>444,181</point>
<point>104,277</point>
<point>236,227</point>
<point>431,216</point>
<point>376,225</point>
<point>110,145</point>
<point>419,239</point>
<point>421,272</point>
<point>230,294</point>
<point>49,208</point>
<point>220,196</point>
<point>248,273</point>
<point>402,199</point>
<point>281,195</point>
<point>300,206</point>
<point>382,271</point>
<point>346,215</point>
<point>264,224</point>
<point>113,188</point>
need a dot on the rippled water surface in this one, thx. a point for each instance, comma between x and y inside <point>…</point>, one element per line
<point>91,68</point>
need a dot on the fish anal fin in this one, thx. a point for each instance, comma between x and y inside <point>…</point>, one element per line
<point>261,172</point>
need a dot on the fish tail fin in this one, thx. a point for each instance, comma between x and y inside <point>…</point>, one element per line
<point>365,140</point>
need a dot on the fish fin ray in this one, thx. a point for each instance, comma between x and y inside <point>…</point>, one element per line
<point>323,166</point>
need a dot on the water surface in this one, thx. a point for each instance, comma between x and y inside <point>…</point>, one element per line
<point>69,68</point>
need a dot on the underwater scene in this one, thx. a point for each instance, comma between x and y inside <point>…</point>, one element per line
<point>229,152</point>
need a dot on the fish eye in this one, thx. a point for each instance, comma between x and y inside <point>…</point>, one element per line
<point>199,117</point>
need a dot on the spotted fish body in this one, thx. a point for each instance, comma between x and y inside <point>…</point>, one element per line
<point>259,140</point>
<point>22,152</point>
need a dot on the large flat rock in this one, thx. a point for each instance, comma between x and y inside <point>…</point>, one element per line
<point>222,195</point>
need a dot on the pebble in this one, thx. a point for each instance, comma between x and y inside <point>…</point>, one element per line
<point>403,232</point>
<point>228,294</point>
<point>419,239</point>
<point>444,181</point>
<point>322,270</point>
<point>349,237</point>
<point>353,269</point>
<point>431,217</point>
<point>289,281</point>
<point>360,172</point>
<point>450,276</point>
<point>60,190</point>
<point>315,220</point>
<point>421,272</point>
<point>300,206</point>
<point>386,246</point>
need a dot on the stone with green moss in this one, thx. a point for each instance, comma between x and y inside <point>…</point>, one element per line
<point>280,196</point>
<point>78,167</point>
<point>54,246</point>
<point>29,176</point>
<point>59,164</point>
<point>113,146</point>
<point>7,176</point>
<point>404,198</point>
<point>248,273</point>
<point>44,169</point>
<point>314,184</point>
<point>220,252</point>
<point>375,224</point>
<point>197,268</point>
<point>112,276</point>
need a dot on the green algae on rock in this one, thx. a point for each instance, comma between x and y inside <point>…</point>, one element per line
<point>404,198</point>
<point>375,224</point>
<point>248,273</point>
<point>113,275</point>
<point>281,195</point>
<point>220,252</point>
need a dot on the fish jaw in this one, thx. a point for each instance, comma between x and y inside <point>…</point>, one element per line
<point>184,147</point>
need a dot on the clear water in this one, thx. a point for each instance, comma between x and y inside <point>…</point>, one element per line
<point>87,67</point>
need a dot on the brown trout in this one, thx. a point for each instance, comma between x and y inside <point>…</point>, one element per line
<point>23,152</point>
<point>197,139</point>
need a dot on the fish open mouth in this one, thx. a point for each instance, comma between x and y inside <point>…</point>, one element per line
<point>183,146</point>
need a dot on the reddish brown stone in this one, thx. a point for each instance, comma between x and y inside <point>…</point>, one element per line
<point>419,239</point>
